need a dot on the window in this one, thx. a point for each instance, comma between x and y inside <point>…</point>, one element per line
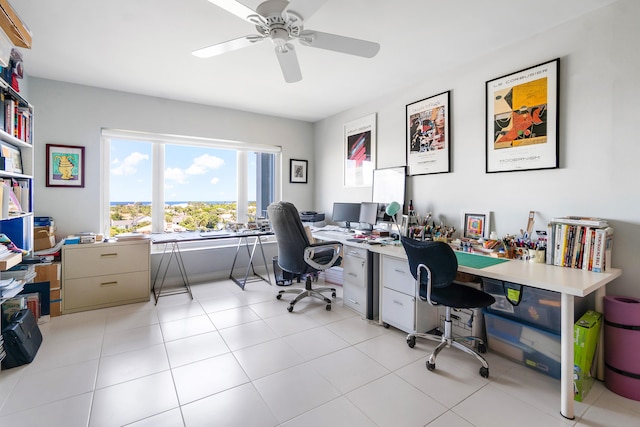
<point>159,183</point>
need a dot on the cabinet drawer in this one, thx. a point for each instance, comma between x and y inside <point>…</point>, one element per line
<point>398,310</point>
<point>103,259</point>
<point>107,290</point>
<point>354,297</point>
<point>396,275</point>
<point>354,270</point>
<point>350,251</point>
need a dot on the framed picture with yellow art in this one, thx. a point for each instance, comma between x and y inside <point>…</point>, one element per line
<point>522,120</point>
<point>65,166</point>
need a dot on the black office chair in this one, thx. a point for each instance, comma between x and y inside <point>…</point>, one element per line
<point>434,266</point>
<point>298,256</point>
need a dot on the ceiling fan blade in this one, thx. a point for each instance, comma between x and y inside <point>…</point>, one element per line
<point>289,63</point>
<point>237,8</point>
<point>305,8</point>
<point>338,43</point>
<point>228,46</point>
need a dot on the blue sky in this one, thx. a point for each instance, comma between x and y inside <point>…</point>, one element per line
<point>191,173</point>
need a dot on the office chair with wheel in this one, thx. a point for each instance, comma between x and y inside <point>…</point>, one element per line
<point>298,256</point>
<point>434,266</point>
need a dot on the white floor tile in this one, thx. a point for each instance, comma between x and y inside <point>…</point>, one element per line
<point>233,317</point>
<point>188,327</point>
<point>348,369</point>
<point>356,329</point>
<point>240,407</point>
<point>390,401</point>
<point>123,320</point>
<point>133,400</point>
<point>182,311</point>
<point>336,413</point>
<point>315,342</point>
<point>267,358</point>
<point>130,365</point>
<point>70,412</point>
<point>171,418</point>
<point>294,391</point>
<point>206,377</point>
<point>391,350</point>
<point>133,339</point>
<point>247,334</point>
<point>195,348</point>
<point>290,323</point>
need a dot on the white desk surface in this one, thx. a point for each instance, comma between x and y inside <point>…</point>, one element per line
<point>565,280</point>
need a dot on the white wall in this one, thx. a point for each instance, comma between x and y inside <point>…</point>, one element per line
<point>599,142</point>
<point>73,115</point>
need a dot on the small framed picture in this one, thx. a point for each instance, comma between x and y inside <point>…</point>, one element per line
<point>298,171</point>
<point>476,224</point>
<point>65,166</point>
<point>12,158</point>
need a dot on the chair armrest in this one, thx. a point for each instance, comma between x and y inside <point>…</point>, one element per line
<point>421,268</point>
<point>310,252</point>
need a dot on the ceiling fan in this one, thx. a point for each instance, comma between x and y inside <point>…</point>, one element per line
<point>282,21</point>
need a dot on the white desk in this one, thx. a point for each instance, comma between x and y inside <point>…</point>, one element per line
<point>569,282</point>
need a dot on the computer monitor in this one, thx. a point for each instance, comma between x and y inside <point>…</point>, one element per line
<point>346,212</point>
<point>368,215</point>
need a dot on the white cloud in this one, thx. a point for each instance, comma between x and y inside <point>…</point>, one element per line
<point>129,165</point>
<point>204,163</point>
<point>175,174</point>
<point>214,181</point>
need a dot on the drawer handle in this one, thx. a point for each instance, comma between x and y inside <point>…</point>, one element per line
<point>354,302</point>
<point>109,255</point>
<point>109,284</point>
<point>397,302</point>
<point>352,274</point>
<point>399,271</point>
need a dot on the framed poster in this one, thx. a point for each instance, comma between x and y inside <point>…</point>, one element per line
<point>65,166</point>
<point>522,120</point>
<point>360,151</point>
<point>298,171</point>
<point>428,137</point>
<point>475,224</point>
<point>11,158</point>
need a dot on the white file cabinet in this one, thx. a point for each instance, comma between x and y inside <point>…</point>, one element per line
<point>98,275</point>
<point>401,305</point>
<point>355,274</point>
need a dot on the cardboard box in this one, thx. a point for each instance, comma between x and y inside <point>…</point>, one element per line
<point>43,238</point>
<point>586,333</point>
<point>48,273</point>
<point>55,303</point>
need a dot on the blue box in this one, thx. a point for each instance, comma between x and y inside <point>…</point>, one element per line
<point>42,221</point>
<point>535,348</point>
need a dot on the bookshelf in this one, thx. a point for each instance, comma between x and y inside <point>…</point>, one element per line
<point>16,167</point>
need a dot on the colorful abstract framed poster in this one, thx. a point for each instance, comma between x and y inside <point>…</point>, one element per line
<point>475,224</point>
<point>65,166</point>
<point>360,151</point>
<point>522,120</point>
<point>428,137</point>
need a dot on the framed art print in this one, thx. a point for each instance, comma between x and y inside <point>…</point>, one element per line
<point>298,171</point>
<point>428,137</point>
<point>65,166</point>
<point>475,224</point>
<point>360,151</point>
<point>522,120</point>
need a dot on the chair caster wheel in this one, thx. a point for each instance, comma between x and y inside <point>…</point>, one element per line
<point>482,348</point>
<point>411,342</point>
<point>328,307</point>
<point>279,296</point>
<point>484,372</point>
<point>290,308</point>
<point>334,295</point>
<point>431,366</point>
<point>385,325</point>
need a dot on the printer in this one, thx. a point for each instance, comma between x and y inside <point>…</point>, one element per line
<point>312,218</point>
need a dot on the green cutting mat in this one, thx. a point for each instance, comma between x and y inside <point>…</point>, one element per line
<point>477,261</point>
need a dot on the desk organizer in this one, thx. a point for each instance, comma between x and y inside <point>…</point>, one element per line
<point>535,348</point>
<point>622,345</point>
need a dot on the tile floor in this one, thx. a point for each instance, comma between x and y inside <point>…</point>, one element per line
<point>238,358</point>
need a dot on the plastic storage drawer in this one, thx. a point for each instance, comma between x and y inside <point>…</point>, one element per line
<point>533,347</point>
<point>537,307</point>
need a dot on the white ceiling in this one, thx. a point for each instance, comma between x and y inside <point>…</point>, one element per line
<point>144,47</point>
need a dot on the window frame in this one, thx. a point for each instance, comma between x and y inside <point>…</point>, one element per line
<point>159,141</point>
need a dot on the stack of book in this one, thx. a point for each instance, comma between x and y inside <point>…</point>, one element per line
<point>580,242</point>
<point>3,353</point>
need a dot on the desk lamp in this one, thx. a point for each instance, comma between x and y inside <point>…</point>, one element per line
<point>392,209</point>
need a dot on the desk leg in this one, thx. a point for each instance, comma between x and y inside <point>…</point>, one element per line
<point>566,343</point>
<point>600,294</point>
<point>175,251</point>
<point>251,253</point>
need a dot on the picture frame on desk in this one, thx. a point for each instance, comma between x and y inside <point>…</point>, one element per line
<point>522,119</point>
<point>65,166</point>
<point>360,151</point>
<point>298,171</point>
<point>476,224</point>
<point>428,137</point>
<point>10,158</point>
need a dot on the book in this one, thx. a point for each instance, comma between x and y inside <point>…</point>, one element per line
<point>581,220</point>
<point>602,249</point>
